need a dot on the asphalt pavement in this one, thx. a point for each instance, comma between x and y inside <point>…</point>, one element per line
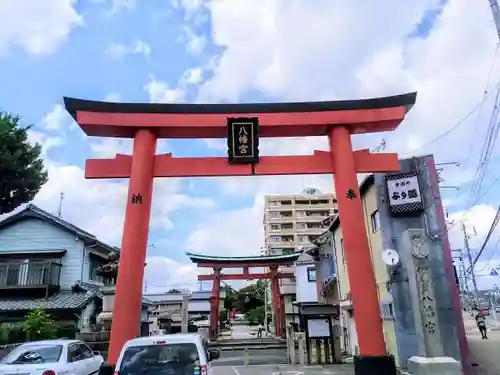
<point>485,353</point>
<point>345,369</point>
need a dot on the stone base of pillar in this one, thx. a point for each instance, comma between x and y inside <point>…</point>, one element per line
<point>380,365</point>
<point>434,366</point>
<point>106,369</point>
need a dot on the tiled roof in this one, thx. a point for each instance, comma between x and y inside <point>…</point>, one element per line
<point>60,300</point>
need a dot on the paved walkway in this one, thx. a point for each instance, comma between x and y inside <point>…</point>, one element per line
<point>242,332</point>
<point>485,353</point>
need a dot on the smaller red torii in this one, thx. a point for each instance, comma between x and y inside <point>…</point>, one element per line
<point>269,261</point>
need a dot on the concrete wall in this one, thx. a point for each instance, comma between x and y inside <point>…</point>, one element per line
<point>404,330</point>
<point>307,291</point>
<point>406,300</point>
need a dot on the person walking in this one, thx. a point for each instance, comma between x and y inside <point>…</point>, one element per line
<point>259,331</point>
<point>481,325</point>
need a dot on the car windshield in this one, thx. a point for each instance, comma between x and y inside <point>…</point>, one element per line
<point>30,354</point>
<point>165,359</point>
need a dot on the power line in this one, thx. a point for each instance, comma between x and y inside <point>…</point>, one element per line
<point>493,226</point>
<point>476,125</point>
<point>457,125</point>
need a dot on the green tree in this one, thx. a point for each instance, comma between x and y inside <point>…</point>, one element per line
<point>21,165</point>
<point>39,325</point>
<point>256,316</point>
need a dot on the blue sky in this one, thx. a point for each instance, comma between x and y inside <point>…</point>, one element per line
<point>216,51</point>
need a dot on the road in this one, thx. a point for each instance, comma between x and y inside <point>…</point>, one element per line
<point>485,353</point>
<point>285,370</point>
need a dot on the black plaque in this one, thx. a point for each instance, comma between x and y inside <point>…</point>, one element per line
<point>243,140</point>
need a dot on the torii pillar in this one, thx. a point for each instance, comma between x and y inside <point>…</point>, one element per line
<point>336,119</point>
<point>215,304</point>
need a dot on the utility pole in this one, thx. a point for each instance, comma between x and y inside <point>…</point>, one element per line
<point>60,209</point>
<point>495,10</point>
<point>265,252</point>
<point>469,257</point>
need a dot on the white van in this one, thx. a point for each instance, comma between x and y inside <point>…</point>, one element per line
<point>179,354</point>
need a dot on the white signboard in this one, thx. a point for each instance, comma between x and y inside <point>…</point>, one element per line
<point>318,328</point>
<point>404,190</point>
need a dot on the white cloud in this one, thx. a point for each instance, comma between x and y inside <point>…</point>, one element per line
<point>47,141</point>
<point>295,50</point>
<point>162,274</point>
<point>105,201</point>
<point>477,222</point>
<point>160,92</point>
<point>138,47</point>
<point>54,119</point>
<point>113,97</point>
<point>192,76</point>
<point>347,54</point>
<point>38,27</point>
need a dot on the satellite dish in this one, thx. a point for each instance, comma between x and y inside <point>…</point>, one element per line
<point>390,257</point>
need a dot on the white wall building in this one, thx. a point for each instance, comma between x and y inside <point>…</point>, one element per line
<point>289,221</point>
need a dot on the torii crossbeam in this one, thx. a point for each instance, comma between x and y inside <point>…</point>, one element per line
<point>337,120</point>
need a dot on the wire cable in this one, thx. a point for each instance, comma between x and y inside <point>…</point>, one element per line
<point>457,125</point>
<point>479,112</point>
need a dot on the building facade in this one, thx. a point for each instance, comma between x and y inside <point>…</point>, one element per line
<point>47,262</point>
<point>290,221</point>
<point>166,308</point>
<point>412,264</point>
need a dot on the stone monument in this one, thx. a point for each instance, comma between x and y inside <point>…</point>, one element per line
<point>109,273</point>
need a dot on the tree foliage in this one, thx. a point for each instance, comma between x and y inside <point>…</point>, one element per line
<point>21,166</point>
<point>245,299</point>
<point>256,316</point>
<point>39,325</point>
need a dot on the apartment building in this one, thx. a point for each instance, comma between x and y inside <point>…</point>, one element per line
<point>289,222</point>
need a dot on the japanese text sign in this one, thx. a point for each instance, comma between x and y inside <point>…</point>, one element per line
<point>243,140</point>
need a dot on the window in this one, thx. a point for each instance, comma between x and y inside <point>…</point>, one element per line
<point>342,249</point>
<point>287,226</point>
<point>301,226</point>
<point>286,213</point>
<point>78,352</point>
<point>387,311</point>
<point>34,354</point>
<point>274,214</point>
<point>375,219</point>
<point>179,358</point>
<point>275,226</point>
<point>93,264</point>
<point>311,274</point>
<point>288,251</point>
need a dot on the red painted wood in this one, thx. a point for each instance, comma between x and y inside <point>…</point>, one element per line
<point>250,276</point>
<point>282,124</point>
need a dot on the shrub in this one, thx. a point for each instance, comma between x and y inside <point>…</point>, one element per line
<point>39,325</point>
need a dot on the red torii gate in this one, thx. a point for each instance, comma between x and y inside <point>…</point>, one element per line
<point>271,261</point>
<point>337,120</point>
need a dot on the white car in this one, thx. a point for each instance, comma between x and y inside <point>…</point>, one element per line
<point>177,354</point>
<point>51,357</point>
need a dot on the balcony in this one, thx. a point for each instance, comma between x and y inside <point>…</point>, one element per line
<point>29,274</point>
